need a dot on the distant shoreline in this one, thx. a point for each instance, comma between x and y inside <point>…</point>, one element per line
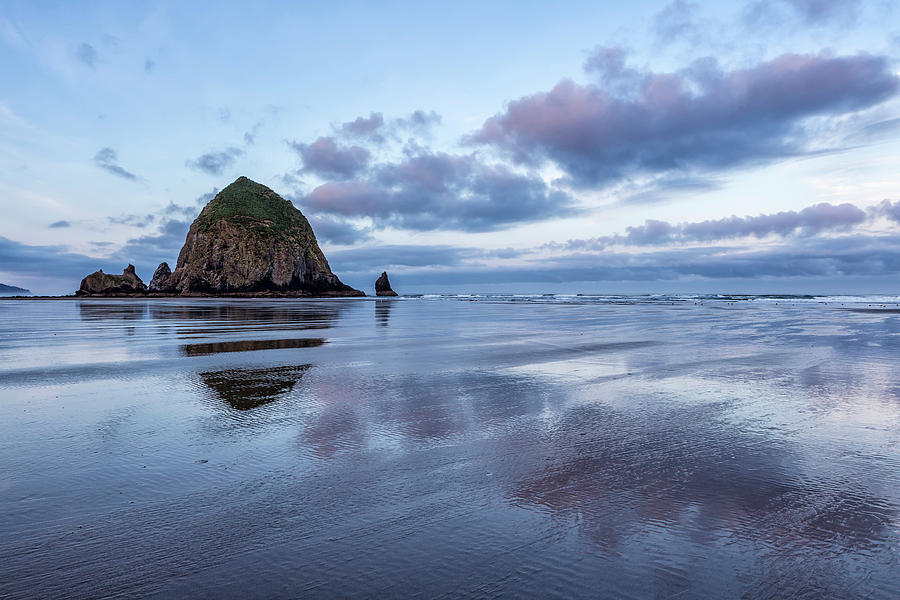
<point>197,297</point>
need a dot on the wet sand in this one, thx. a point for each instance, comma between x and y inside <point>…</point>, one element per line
<point>476,448</point>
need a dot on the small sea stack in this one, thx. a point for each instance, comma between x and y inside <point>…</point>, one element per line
<point>104,284</point>
<point>383,286</point>
<point>162,279</point>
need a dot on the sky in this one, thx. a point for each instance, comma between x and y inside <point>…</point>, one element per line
<point>532,147</point>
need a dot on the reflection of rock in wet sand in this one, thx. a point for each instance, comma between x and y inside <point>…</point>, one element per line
<point>244,389</point>
<point>383,312</point>
<point>249,346</point>
<point>93,310</point>
<point>318,314</point>
<point>201,318</point>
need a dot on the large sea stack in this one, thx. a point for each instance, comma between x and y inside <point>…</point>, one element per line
<point>248,241</point>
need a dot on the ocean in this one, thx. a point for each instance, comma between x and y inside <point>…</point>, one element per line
<point>458,446</point>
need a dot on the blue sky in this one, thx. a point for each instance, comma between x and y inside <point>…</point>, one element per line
<point>584,147</point>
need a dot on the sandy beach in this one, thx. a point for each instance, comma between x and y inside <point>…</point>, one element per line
<point>531,446</point>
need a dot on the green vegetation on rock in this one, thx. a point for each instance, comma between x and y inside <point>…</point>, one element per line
<point>252,204</point>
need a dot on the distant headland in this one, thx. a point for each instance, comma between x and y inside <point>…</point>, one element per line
<point>11,290</point>
<point>247,242</point>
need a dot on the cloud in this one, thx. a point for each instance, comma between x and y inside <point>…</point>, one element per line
<point>826,11</point>
<point>376,129</point>
<point>59,224</point>
<point>86,55</point>
<point>150,250</point>
<point>291,180</point>
<point>173,221</point>
<point>165,242</point>
<point>108,160</point>
<point>808,12</point>
<point>803,257</point>
<point>608,64</point>
<point>53,269</point>
<point>250,136</point>
<point>811,258</point>
<point>656,189</point>
<point>889,209</point>
<point>419,121</point>
<point>365,127</point>
<point>177,209</point>
<point>214,163</point>
<point>700,119</point>
<point>11,34</point>
<point>830,259</point>
<point>328,160</point>
<point>203,199</point>
<point>132,220</point>
<point>111,41</point>
<point>676,21</point>
<point>378,258</point>
<point>437,191</point>
<point>44,261</point>
<point>338,231</point>
<point>810,221</point>
<point>869,131</point>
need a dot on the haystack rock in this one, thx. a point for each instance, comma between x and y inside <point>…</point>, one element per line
<point>103,284</point>
<point>249,241</point>
<point>383,286</point>
<point>162,279</point>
